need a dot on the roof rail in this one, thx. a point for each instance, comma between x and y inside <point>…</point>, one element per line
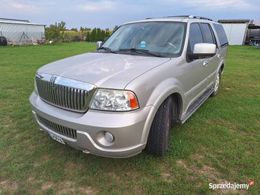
<point>189,16</point>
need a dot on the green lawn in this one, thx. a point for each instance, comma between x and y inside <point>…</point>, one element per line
<point>219,143</point>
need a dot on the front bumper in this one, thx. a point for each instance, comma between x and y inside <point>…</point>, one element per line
<point>130,129</point>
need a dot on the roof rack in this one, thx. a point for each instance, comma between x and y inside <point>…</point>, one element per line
<point>189,16</point>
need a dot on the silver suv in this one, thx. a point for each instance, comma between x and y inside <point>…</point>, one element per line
<point>126,96</point>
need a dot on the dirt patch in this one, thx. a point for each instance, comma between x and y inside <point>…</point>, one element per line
<point>87,190</point>
<point>47,186</point>
<point>62,187</point>
<point>45,157</point>
<point>71,166</point>
<point>258,122</point>
<point>67,187</point>
<point>36,164</point>
<point>166,177</point>
<point>198,169</point>
<point>8,185</point>
<point>205,171</point>
<point>32,180</point>
<point>41,160</point>
<point>221,122</point>
<point>4,156</point>
<point>114,176</point>
<point>130,178</point>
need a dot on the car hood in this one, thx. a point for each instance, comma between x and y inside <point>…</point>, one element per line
<point>103,69</point>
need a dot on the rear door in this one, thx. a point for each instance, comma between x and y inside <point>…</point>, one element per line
<point>195,75</point>
<point>210,64</point>
<point>222,40</point>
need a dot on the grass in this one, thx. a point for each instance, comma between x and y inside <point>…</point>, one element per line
<point>219,143</point>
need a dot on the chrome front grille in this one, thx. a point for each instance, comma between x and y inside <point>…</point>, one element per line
<point>63,92</point>
<point>68,132</point>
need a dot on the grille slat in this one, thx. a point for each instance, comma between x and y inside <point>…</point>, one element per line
<point>63,97</point>
<point>58,95</point>
<point>81,98</point>
<point>74,98</point>
<point>71,100</point>
<point>68,132</point>
<point>66,97</point>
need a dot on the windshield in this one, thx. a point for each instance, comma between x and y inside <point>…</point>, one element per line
<point>162,38</point>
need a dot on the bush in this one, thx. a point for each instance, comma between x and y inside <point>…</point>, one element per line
<point>70,36</point>
<point>58,33</point>
<point>97,35</point>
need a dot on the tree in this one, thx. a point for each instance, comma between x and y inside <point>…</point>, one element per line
<point>55,32</point>
<point>62,28</point>
<point>99,35</point>
<point>107,34</point>
<point>93,35</point>
<point>88,36</point>
<point>74,29</point>
<point>52,33</point>
<point>103,35</point>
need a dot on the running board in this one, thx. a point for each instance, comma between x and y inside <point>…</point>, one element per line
<point>197,103</point>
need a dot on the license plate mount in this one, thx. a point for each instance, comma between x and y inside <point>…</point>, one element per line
<point>56,138</point>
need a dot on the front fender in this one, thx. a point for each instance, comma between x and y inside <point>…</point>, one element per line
<point>158,96</point>
<point>164,90</point>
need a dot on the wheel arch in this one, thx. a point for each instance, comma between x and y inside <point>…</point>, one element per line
<point>221,67</point>
<point>178,102</point>
<point>165,90</point>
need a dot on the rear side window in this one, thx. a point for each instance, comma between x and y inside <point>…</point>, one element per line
<point>207,33</point>
<point>195,36</point>
<point>221,34</point>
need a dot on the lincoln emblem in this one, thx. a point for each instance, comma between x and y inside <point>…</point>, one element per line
<point>52,81</point>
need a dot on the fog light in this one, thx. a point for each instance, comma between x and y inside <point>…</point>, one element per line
<point>105,138</point>
<point>109,137</point>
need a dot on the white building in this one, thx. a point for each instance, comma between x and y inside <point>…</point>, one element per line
<point>18,32</point>
<point>240,32</point>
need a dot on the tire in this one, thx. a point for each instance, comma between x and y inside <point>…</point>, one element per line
<point>217,84</point>
<point>3,41</point>
<point>158,140</point>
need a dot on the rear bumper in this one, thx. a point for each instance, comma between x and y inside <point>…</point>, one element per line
<point>129,128</point>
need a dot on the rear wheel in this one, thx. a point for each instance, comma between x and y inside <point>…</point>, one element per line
<point>158,139</point>
<point>216,84</point>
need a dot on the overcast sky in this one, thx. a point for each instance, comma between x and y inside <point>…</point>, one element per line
<point>108,13</point>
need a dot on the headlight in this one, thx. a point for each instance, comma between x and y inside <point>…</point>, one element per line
<point>114,100</point>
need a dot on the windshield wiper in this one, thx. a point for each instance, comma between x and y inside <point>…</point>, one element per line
<point>141,51</point>
<point>107,49</point>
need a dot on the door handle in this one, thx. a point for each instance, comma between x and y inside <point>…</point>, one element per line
<point>205,63</point>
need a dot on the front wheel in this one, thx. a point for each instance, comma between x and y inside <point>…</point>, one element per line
<point>158,139</point>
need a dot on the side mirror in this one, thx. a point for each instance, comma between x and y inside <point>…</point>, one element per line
<point>203,50</point>
<point>99,44</point>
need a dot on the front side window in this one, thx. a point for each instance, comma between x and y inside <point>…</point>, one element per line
<point>163,38</point>
<point>195,36</point>
<point>207,33</point>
